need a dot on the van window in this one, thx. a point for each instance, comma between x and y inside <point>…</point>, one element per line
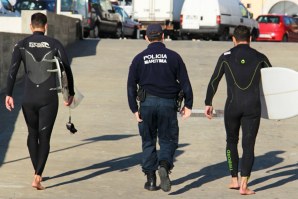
<point>244,11</point>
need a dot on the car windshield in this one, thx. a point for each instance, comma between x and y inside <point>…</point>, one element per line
<point>36,5</point>
<point>268,19</point>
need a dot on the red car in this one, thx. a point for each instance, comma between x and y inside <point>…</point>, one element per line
<point>277,28</point>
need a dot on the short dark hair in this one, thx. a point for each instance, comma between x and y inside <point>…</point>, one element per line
<point>39,20</point>
<point>242,33</point>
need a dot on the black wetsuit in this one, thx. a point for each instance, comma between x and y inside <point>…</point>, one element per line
<point>40,102</point>
<point>241,66</point>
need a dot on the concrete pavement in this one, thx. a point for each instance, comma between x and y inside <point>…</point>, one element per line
<point>102,160</point>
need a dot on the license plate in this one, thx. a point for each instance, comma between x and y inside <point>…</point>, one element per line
<point>191,22</point>
<point>267,36</point>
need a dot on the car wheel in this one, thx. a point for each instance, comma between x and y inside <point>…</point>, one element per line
<point>86,34</point>
<point>254,34</point>
<point>119,32</point>
<point>96,31</point>
<point>285,38</point>
<point>225,35</point>
<point>136,34</point>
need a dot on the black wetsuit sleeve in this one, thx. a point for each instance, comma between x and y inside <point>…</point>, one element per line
<point>185,84</point>
<point>13,69</point>
<point>266,62</point>
<point>214,81</point>
<point>132,83</point>
<point>63,56</point>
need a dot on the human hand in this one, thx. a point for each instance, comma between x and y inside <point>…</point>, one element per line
<point>70,100</point>
<point>138,117</point>
<point>209,112</point>
<point>185,112</point>
<point>9,103</point>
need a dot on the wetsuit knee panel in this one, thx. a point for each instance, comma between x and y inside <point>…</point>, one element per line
<point>232,140</point>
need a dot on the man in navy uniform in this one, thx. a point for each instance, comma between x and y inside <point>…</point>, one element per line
<point>159,74</point>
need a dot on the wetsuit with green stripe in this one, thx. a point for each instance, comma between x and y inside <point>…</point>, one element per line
<point>241,66</point>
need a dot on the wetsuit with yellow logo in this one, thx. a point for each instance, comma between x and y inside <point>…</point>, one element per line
<point>241,66</point>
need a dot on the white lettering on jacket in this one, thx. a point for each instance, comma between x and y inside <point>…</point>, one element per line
<point>155,58</point>
<point>39,45</point>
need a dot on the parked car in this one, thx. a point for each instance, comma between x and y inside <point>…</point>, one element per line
<point>103,20</point>
<point>98,16</point>
<point>49,5</point>
<point>295,17</point>
<point>130,28</point>
<point>214,19</point>
<point>277,28</point>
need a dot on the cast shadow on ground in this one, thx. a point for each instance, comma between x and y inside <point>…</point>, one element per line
<point>289,174</point>
<point>220,170</point>
<point>8,119</point>
<point>119,164</point>
<point>82,48</point>
<point>86,142</point>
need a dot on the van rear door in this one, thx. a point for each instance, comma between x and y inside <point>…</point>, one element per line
<point>163,10</point>
<point>141,9</point>
<point>153,10</point>
<point>198,14</point>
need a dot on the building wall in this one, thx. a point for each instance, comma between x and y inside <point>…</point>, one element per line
<point>262,6</point>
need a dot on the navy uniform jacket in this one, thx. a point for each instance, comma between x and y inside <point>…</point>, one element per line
<point>160,72</point>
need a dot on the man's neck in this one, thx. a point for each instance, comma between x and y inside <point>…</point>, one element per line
<point>39,30</point>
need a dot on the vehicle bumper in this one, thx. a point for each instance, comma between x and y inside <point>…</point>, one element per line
<point>270,37</point>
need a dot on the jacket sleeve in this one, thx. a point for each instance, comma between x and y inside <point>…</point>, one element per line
<point>63,56</point>
<point>185,84</point>
<point>13,69</point>
<point>132,83</point>
<point>214,81</point>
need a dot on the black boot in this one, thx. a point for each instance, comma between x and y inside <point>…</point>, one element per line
<point>151,182</point>
<point>163,171</point>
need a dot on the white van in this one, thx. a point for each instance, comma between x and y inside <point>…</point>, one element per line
<point>215,19</point>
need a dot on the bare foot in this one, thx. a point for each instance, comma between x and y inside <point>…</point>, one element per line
<point>244,190</point>
<point>234,183</point>
<point>36,183</point>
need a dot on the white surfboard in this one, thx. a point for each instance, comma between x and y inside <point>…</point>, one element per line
<point>279,93</point>
<point>60,85</point>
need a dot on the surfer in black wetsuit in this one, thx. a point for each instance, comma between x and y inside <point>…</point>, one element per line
<point>40,102</point>
<point>241,66</point>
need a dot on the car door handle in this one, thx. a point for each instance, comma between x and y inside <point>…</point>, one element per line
<point>241,20</point>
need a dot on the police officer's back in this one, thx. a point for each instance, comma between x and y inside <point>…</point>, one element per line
<point>159,74</point>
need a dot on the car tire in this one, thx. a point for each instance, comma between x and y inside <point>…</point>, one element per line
<point>119,32</point>
<point>254,34</point>
<point>136,34</point>
<point>96,31</point>
<point>225,35</point>
<point>86,34</point>
<point>285,38</point>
